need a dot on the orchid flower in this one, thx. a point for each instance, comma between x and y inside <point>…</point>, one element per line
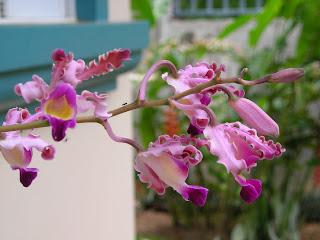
<point>17,150</point>
<point>189,78</point>
<point>59,101</point>
<point>60,109</point>
<point>166,163</point>
<point>239,148</point>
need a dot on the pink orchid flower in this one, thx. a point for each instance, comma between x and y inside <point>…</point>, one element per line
<point>59,101</point>
<point>189,78</point>
<point>17,150</point>
<point>239,148</point>
<point>166,163</point>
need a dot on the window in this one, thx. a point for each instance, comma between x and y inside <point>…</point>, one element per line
<point>37,11</point>
<point>216,8</point>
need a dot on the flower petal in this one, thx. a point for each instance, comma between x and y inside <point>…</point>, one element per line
<point>89,100</point>
<point>195,194</point>
<point>35,89</point>
<point>251,189</point>
<point>27,175</point>
<point>17,156</point>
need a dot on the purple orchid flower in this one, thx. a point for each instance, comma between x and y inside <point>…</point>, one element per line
<point>60,108</point>
<point>166,163</point>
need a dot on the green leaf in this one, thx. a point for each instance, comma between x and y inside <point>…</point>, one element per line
<point>263,19</point>
<point>142,9</point>
<point>146,126</point>
<point>289,10</point>
<point>238,22</point>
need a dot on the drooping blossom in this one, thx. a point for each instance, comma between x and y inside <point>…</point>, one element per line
<point>239,148</point>
<point>166,163</point>
<point>17,150</point>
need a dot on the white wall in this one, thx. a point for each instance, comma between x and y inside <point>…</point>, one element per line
<point>86,192</point>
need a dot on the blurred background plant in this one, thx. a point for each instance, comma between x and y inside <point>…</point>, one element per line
<point>291,183</point>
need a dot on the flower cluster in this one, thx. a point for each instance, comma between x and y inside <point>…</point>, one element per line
<point>237,146</point>
<point>166,162</point>
<point>59,104</point>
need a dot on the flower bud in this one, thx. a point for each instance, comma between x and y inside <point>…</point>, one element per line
<point>255,117</point>
<point>286,75</point>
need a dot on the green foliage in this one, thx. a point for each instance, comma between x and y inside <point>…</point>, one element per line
<point>151,10</point>
<point>148,237</point>
<point>301,12</point>
<point>238,22</point>
<point>142,9</point>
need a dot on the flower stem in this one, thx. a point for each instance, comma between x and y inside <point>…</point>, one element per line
<point>138,104</point>
<point>116,138</point>
<point>212,116</point>
<point>142,90</point>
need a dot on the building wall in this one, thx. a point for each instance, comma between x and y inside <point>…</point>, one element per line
<point>87,191</point>
<point>202,28</point>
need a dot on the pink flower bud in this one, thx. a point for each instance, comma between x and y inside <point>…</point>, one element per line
<point>255,117</point>
<point>286,75</point>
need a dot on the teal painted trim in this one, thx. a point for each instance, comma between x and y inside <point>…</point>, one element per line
<point>92,10</point>
<point>26,50</point>
<point>25,46</point>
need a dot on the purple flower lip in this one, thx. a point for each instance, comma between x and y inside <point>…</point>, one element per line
<point>60,109</point>
<point>286,75</point>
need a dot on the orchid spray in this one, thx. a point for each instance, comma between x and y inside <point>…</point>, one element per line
<point>166,162</point>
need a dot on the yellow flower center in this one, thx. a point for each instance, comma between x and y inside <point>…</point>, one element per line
<point>59,108</point>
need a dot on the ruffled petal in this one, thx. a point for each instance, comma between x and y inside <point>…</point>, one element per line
<point>89,100</point>
<point>221,146</point>
<point>265,149</point>
<point>112,59</point>
<point>36,89</point>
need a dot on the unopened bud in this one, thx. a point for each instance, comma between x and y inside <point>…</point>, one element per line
<point>286,75</point>
<point>255,117</point>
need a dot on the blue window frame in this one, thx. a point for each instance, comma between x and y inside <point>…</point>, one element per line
<point>26,49</point>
